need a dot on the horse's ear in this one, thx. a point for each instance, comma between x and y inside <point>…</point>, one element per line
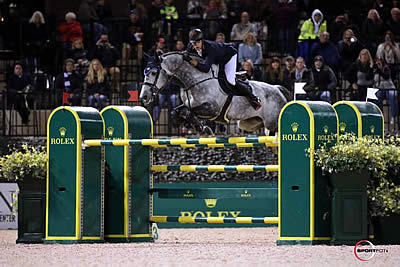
<point>158,56</point>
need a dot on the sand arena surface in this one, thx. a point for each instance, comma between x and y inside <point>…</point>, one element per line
<point>189,247</point>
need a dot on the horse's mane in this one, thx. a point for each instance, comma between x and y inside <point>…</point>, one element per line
<point>181,53</point>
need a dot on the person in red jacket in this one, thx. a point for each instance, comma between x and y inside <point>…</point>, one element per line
<point>70,30</point>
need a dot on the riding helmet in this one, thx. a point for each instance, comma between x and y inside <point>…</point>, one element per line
<point>195,35</point>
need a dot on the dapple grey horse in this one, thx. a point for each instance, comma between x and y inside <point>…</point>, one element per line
<point>201,93</point>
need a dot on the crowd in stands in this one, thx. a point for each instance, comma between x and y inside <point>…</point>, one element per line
<point>311,47</point>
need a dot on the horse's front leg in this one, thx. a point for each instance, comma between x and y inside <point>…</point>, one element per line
<point>183,112</point>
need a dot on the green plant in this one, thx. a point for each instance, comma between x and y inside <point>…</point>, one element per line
<point>380,157</point>
<point>25,162</point>
<point>351,153</point>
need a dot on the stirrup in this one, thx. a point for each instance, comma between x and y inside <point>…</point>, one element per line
<point>256,104</point>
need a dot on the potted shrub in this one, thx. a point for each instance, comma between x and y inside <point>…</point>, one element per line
<point>350,163</point>
<point>27,167</point>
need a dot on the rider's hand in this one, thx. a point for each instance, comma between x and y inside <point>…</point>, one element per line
<point>194,62</point>
<point>187,58</point>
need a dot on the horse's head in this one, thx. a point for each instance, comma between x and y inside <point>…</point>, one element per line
<point>155,79</point>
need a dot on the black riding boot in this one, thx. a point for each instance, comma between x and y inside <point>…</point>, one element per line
<point>245,89</point>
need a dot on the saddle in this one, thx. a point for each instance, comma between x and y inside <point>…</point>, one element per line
<point>230,90</point>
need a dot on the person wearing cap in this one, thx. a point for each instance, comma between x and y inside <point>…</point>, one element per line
<point>133,36</point>
<point>159,47</point>
<point>69,82</point>
<point>222,54</point>
<point>324,80</point>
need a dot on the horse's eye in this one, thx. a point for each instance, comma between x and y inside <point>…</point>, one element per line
<point>153,74</point>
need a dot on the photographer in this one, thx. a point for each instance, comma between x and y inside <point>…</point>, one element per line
<point>387,89</point>
<point>108,56</point>
<point>349,49</point>
<point>69,82</point>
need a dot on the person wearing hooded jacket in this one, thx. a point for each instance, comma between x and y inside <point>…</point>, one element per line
<point>309,33</point>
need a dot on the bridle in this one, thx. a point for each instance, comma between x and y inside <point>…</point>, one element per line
<point>154,84</point>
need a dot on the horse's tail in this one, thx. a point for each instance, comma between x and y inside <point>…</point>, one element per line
<point>286,93</point>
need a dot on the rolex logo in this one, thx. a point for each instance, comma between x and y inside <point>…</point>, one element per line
<point>342,127</point>
<point>295,126</point>
<point>62,131</point>
<point>326,129</point>
<point>372,128</point>
<point>110,131</point>
<point>210,202</point>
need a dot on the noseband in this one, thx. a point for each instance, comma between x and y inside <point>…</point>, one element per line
<point>154,84</point>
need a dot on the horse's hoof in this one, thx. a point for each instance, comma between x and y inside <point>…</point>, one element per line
<point>207,130</point>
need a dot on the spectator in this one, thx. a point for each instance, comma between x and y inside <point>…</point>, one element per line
<point>327,50</point>
<point>103,10</point>
<point>87,14</point>
<point>251,72</point>
<point>170,92</point>
<point>80,56</point>
<point>195,9</point>
<point>387,89</point>
<point>170,15</point>
<point>324,81</point>
<point>140,9</point>
<point>360,74</point>
<point>97,85</point>
<point>240,30</point>
<point>274,73</point>
<point>87,11</point>
<point>70,30</point>
<point>285,19</point>
<point>220,37</point>
<point>155,13</point>
<point>179,45</point>
<point>288,70</point>
<point>372,30</point>
<point>250,49</point>
<point>70,83</point>
<point>159,47</point>
<point>383,9</point>
<point>302,74</point>
<point>36,39</point>
<point>214,12</point>
<point>310,31</point>
<point>235,8</point>
<point>108,56</point>
<point>133,36</point>
<point>389,52</point>
<point>349,49</point>
<point>341,23</point>
<point>394,23</point>
<point>19,86</point>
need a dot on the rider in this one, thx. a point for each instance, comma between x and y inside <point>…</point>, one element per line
<point>220,54</point>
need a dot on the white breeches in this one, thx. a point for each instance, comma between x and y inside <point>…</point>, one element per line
<point>230,70</point>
